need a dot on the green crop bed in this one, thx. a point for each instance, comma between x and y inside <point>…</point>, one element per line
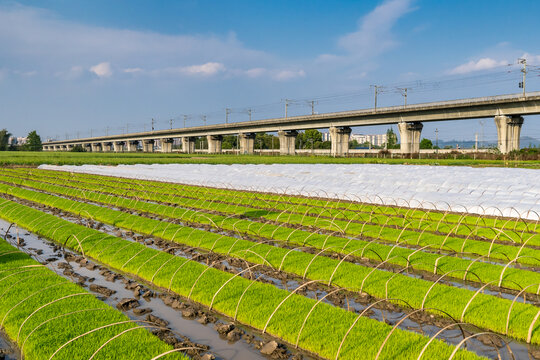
<point>420,260</point>
<point>316,240</point>
<point>379,283</point>
<point>41,312</point>
<point>416,232</point>
<point>470,248</point>
<point>258,300</point>
<point>326,207</point>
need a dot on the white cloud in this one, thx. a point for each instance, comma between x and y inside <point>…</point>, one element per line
<point>132,70</point>
<point>284,75</point>
<point>102,70</point>
<point>374,34</point>
<point>255,72</point>
<point>208,69</point>
<point>53,45</point>
<point>479,65</point>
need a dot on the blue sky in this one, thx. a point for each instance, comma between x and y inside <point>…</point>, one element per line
<point>69,66</point>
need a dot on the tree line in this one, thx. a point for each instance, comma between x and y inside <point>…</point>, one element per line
<point>33,142</point>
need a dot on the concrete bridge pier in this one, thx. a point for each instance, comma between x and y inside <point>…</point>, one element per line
<point>106,146</point>
<point>69,147</point>
<point>87,147</point>
<point>410,136</point>
<point>166,145</point>
<point>339,136</point>
<point>118,146</point>
<point>287,142</point>
<point>148,145</point>
<point>132,145</point>
<point>508,131</point>
<point>188,145</point>
<point>247,143</point>
<point>96,147</point>
<point>214,143</point>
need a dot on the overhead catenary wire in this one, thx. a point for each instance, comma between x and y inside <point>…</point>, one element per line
<point>499,75</point>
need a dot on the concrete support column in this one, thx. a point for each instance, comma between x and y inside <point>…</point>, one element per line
<point>166,145</point>
<point>69,147</point>
<point>148,145</point>
<point>118,146</point>
<point>132,145</point>
<point>287,142</point>
<point>339,136</point>
<point>410,136</point>
<point>106,146</point>
<point>508,131</point>
<point>188,145</point>
<point>96,147</point>
<point>247,143</point>
<point>88,147</point>
<point>214,143</point>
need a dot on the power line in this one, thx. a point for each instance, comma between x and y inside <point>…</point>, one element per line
<point>503,74</point>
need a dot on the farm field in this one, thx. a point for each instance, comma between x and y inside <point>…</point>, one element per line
<point>246,272</point>
<point>485,191</point>
<point>80,158</point>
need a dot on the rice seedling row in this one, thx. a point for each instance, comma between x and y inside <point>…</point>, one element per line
<point>350,276</point>
<point>416,259</point>
<point>491,248</point>
<point>185,320</point>
<point>325,206</point>
<point>49,317</point>
<point>263,307</point>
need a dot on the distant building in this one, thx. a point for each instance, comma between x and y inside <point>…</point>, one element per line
<point>14,141</point>
<point>374,140</point>
<point>17,141</point>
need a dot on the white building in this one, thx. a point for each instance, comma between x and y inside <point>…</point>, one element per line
<point>374,140</point>
<point>12,140</point>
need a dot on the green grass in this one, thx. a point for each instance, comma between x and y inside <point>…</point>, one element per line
<point>258,303</point>
<point>73,158</point>
<point>26,289</point>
